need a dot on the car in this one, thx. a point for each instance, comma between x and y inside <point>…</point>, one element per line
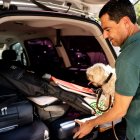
<point>57,37</point>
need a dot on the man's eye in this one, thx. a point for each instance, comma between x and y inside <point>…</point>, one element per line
<point>108,30</point>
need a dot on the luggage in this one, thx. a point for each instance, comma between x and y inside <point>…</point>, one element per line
<point>14,112</point>
<point>17,120</point>
<point>49,108</point>
<point>63,129</point>
<point>31,85</point>
<point>36,130</point>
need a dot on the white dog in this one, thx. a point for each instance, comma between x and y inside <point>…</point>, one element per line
<point>104,76</point>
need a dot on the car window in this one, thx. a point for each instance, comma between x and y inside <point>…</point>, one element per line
<point>42,55</point>
<point>83,51</point>
<point>20,53</point>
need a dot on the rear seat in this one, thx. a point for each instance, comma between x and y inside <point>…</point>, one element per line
<point>10,57</point>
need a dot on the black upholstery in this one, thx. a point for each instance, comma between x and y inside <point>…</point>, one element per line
<point>9,55</point>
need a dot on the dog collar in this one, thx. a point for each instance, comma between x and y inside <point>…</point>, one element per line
<point>108,78</point>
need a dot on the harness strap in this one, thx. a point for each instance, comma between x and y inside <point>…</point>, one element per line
<point>100,92</point>
<point>108,78</point>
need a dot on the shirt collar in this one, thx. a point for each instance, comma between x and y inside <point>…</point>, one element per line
<point>130,40</point>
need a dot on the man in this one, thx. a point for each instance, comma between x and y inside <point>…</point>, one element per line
<point>118,20</point>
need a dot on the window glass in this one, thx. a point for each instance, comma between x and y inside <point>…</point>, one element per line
<point>20,53</point>
<point>42,55</point>
<point>83,51</point>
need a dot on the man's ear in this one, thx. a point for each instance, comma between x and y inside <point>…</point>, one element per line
<point>126,20</point>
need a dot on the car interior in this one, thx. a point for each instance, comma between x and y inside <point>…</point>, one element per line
<point>61,45</point>
<point>45,46</point>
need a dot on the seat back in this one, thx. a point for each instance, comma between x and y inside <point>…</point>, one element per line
<point>10,57</point>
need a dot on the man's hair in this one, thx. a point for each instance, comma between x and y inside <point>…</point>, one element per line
<point>117,9</point>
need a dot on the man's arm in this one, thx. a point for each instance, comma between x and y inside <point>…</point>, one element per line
<point>119,109</point>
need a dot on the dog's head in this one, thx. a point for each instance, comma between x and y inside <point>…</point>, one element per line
<point>98,73</point>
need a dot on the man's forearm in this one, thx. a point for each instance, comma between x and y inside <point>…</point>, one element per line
<point>109,116</point>
<point>118,110</point>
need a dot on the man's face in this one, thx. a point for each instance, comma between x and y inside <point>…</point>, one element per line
<point>115,32</point>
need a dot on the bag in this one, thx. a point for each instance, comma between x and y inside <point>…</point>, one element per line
<point>49,108</point>
<point>14,112</point>
<point>64,129</point>
<point>36,130</point>
<point>30,85</point>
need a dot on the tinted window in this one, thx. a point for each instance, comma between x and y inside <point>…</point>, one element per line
<point>42,55</point>
<point>84,51</point>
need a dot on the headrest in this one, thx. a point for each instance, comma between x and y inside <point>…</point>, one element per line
<point>9,55</point>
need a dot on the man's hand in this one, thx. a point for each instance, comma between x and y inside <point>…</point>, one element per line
<point>119,109</point>
<point>85,127</point>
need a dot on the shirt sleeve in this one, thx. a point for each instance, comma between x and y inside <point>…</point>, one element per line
<point>127,81</point>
